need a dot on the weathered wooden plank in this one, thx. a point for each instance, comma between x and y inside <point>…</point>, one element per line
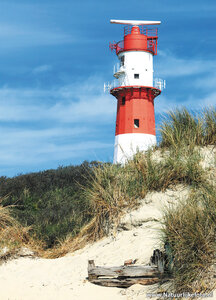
<point>124,283</point>
<point>126,271</point>
<point>91,265</point>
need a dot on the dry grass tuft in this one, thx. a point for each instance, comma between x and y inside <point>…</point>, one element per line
<point>181,127</point>
<point>210,126</point>
<point>108,193</point>
<point>189,230</point>
<point>70,243</point>
<point>114,190</point>
<point>13,236</point>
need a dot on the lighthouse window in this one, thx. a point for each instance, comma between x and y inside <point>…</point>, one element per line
<point>136,76</point>
<point>136,123</point>
<point>123,100</point>
<point>122,60</point>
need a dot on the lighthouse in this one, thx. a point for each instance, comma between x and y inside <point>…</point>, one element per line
<point>135,89</point>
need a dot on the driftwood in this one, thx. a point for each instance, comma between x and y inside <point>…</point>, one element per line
<point>124,282</point>
<point>160,260</point>
<point>124,271</point>
<point>123,276</point>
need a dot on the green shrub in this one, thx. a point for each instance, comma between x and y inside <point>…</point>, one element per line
<point>51,202</point>
<point>55,215</point>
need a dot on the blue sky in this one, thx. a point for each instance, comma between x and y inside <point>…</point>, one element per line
<point>54,60</point>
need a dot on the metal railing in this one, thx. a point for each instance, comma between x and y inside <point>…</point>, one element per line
<point>118,70</point>
<point>110,85</point>
<point>158,83</point>
<point>151,46</point>
<point>149,31</point>
<point>143,30</point>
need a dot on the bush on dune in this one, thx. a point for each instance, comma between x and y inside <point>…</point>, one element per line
<point>13,235</point>
<point>52,202</point>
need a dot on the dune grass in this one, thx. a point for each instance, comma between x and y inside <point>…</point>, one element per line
<point>13,236</point>
<point>181,127</point>
<point>210,126</point>
<point>112,190</point>
<point>115,189</point>
<point>189,230</point>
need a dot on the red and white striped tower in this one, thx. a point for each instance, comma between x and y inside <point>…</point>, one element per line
<point>135,93</point>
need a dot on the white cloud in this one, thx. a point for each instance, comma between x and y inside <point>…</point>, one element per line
<point>65,123</point>
<point>208,100</point>
<point>42,69</point>
<point>95,109</point>
<point>14,136</point>
<point>164,104</point>
<point>169,65</point>
<point>12,35</point>
<point>80,102</point>
<point>206,82</point>
<point>46,152</point>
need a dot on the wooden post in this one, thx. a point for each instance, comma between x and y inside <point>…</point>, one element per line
<point>91,265</point>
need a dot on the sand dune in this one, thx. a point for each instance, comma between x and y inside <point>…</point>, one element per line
<point>137,235</point>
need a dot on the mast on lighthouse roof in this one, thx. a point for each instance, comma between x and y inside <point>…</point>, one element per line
<point>135,91</point>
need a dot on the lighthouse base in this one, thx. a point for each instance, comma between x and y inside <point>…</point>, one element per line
<point>128,144</point>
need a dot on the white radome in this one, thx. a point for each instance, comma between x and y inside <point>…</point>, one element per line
<point>134,22</point>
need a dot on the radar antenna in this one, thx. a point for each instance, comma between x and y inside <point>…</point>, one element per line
<point>134,22</point>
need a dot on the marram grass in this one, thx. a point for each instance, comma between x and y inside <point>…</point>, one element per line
<point>189,229</point>
<point>13,235</point>
<point>112,190</point>
<point>180,127</point>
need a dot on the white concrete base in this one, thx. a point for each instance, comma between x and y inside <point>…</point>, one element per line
<point>126,145</point>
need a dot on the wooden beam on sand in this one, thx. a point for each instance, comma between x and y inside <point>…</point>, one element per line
<point>123,276</point>
<point>124,282</point>
<point>124,271</point>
